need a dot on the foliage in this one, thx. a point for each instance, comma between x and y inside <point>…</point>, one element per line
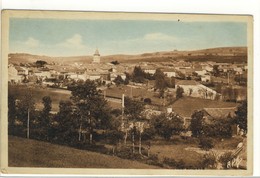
<point>118,80</point>
<point>25,106</point>
<point>114,62</point>
<point>206,143</point>
<point>167,125</point>
<point>196,125</point>
<point>92,108</point>
<point>241,116</point>
<point>11,111</point>
<point>210,160</point>
<point>160,82</point>
<point>138,75</point>
<point>40,63</point>
<point>216,71</point>
<point>148,100</point>
<point>225,158</point>
<point>66,123</point>
<point>45,116</point>
<point>179,92</point>
<point>174,164</point>
<point>133,108</point>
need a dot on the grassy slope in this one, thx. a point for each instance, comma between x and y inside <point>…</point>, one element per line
<point>31,153</point>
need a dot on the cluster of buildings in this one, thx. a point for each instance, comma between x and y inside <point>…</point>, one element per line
<point>52,74</point>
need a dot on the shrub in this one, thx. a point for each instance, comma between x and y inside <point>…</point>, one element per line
<point>206,143</point>
<point>209,161</point>
<point>148,100</point>
<point>174,164</point>
<point>225,158</point>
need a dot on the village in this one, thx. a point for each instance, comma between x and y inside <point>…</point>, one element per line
<point>177,88</point>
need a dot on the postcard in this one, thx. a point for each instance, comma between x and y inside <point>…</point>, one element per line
<point>120,93</point>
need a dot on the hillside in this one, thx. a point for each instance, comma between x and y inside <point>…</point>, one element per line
<point>224,54</point>
<point>31,153</point>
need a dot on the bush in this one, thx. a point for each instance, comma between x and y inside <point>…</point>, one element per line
<point>209,161</point>
<point>206,143</point>
<point>148,100</point>
<point>225,158</point>
<point>174,164</point>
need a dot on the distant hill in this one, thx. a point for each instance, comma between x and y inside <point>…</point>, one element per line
<point>223,54</point>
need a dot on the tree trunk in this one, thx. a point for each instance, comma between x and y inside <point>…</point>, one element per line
<point>80,132</point>
<point>133,140</point>
<point>125,137</point>
<point>90,138</point>
<point>28,125</point>
<point>140,144</point>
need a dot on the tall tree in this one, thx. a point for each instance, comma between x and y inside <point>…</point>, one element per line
<point>241,116</point>
<point>66,129</point>
<point>118,80</point>
<point>133,110</point>
<point>196,124</point>
<point>179,92</point>
<point>216,71</point>
<point>138,75</point>
<point>11,113</point>
<point>92,107</point>
<point>26,108</point>
<point>160,82</point>
<point>46,118</point>
<point>167,125</point>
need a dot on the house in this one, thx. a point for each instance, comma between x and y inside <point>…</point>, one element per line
<point>200,72</point>
<point>195,89</point>
<point>169,72</point>
<point>13,74</point>
<point>93,76</point>
<point>211,114</point>
<point>205,78</point>
<point>186,106</point>
<point>150,71</point>
<point>214,114</point>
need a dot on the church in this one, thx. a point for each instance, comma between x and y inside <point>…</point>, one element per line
<point>96,57</point>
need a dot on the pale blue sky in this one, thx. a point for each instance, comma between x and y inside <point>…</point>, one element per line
<point>55,37</point>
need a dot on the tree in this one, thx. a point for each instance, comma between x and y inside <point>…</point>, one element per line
<point>179,92</point>
<point>241,116</point>
<point>160,82</point>
<point>93,108</point>
<point>196,124</point>
<point>11,113</point>
<point>66,129</point>
<point>133,110</point>
<point>138,75</point>
<point>40,63</point>
<point>45,119</point>
<point>216,71</point>
<point>118,80</point>
<point>114,62</point>
<point>167,125</point>
<point>26,108</point>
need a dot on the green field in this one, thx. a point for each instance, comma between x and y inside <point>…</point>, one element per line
<point>31,153</point>
<point>38,93</point>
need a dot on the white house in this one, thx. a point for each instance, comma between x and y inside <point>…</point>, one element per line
<point>13,75</point>
<point>169,72</point>
<point>195,89</point>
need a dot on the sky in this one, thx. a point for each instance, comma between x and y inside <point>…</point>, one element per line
<point>58,37</point>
